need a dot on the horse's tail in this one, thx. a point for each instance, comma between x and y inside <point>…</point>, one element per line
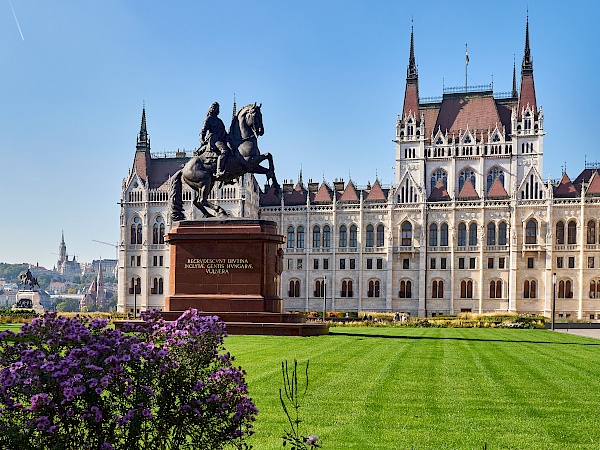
<point>175,197</point>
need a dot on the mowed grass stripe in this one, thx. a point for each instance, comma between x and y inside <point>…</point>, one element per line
<point>382,388</point>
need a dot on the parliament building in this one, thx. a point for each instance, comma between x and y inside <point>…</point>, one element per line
<point>468,225</point>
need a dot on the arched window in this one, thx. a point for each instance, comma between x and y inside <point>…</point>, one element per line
<point>572,232</point>
<point>595,289</point>
<point>439,175</point>
<point>316,236</point>
<point>491,233</point>
<point>561,289</point>
<point>157,286</point>
<point>300,237</point>
<point>326,236</point>
<point>380,235</point>
<point>290,237</point>
<point>444,235</point>
<point>502,233</point>
<point>353,236</point>
<point>405,289</point>
<point>136,230</point>
<point>496,172</point>
<point>526,289</point>
<point>532,289</point>
<point>473,233</point>
<point>136,286</point>
<point>370,236</point>
<point>466,289</point>
<point>531,232</point>
<point>376,293</point>
<point>591,232</point>
<point>462,235</point>
<point>344,291</point>
<point>343,236</point>
<point>319,288</point>
<point>158,231</point>
<point>560,232</point>
<point>373,288</point>
<point>294,288</point>
<point>406,234</point>
<point>568,289</point>
<point>467,174</point>
<point>437,289</point>
<point>433,235</point>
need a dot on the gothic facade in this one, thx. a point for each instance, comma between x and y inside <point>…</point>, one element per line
<point>469,224</point>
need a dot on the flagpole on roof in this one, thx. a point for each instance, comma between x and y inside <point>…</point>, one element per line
<point>466,65</point>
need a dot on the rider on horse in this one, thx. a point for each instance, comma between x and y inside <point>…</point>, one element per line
<point>214,136</point>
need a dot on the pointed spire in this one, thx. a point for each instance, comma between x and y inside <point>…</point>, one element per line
<point>527,66</point>
<point>143,141</point>
<point>234,107</point>
<point>300,177</point>
<point>411,71</point>
<point>514,84</point>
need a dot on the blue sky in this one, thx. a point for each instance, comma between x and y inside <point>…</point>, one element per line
<point>330,76</point>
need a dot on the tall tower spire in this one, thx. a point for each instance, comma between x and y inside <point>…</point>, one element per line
<point>411,94</point>
<point>514,84</point>
<point>527,94</point>
<point>234,107</point>
<point>143,141</point>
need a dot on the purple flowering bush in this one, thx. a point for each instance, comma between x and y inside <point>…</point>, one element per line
<point>75,383</point>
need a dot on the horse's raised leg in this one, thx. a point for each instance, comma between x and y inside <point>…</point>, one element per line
<point>200,204</point>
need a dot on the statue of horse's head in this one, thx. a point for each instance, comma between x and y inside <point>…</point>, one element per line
<point>253,118</point>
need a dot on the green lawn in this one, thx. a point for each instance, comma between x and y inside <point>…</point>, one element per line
<point>432,388</point>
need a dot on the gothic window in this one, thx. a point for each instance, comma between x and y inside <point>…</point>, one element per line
<point>467,174</point>
<point>473,234</point>
<point>370,235</point>
<point>319,288</point>
<point>496,172</point>
<point>594,289</point>
<point>136,286</point>
<point>560,232</point>
<point>529,289</point>
<point>572,232</point>
<point>462,235</point>
<point>531,232</point>
<point>502,233</point>
<point>136,230</point>
<point>496,289</point>
<point>343,236</point>
<point>290,237</point>
<point>406,234</point>
<point>316,236</point>
<point>405,289</point>
<point>444,235</point>
<point>437,289</point>
<point>439,175</point>
<point>591,232</point>
<point>491,234</point>
<point>157,286</point>
<point>466,289</point>
<point>433,235</point>
<point>300,237</point>
<point>294,288</point>
<point>346,289</point>
<point>326,236</point>
<point>353,236</point>
<point>380,235</point>
<point>373,288</point>
<point>158,231</point>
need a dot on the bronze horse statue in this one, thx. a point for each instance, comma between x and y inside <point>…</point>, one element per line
<point>242,156</point>
<point>27,278</point>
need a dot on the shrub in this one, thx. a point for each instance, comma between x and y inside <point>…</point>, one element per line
<point>75,383</point>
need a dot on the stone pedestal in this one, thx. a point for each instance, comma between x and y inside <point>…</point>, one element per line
<point>28,300</point>
<point>231,268</point>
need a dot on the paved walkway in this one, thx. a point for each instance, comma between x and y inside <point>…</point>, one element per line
<point>585,332</point>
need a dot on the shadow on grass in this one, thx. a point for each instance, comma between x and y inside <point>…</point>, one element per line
<point>441,338</point>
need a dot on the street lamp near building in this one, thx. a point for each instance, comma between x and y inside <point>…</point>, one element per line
<point>553,298</point>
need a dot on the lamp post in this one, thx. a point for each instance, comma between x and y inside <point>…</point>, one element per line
<point>553,298</point>
<point>324,297</point>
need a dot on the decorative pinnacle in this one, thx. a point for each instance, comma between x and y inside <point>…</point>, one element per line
<point>411,72</point>
<point>527,66</point>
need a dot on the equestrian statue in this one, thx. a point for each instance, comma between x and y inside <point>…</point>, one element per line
<point>222,157</point>
<point>26,278</point>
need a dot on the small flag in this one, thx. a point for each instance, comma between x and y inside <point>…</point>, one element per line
<point>466,55</point>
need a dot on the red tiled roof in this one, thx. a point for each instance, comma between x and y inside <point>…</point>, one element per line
<point>268,198</point>
<point>411,100</point>
<point>594,186</point>
<point>141,163</point>
<point>497,190</point>
<point>430,115</point>
<point>565,188</point>
<point>439,192</point>
<point>376,193</point>
<point>527,95</point>
<point>585,176</point>
<point>296,197</point>
<point>323,195</point>
<point>349,194</point>
<point>476,112</point>
<point>468,191</point>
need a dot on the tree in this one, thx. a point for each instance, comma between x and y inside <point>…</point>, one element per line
<point>67,305</point>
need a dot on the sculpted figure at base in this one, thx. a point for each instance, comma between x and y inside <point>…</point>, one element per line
<point>221,157</point>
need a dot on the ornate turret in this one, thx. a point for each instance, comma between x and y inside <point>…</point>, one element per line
<point>143,141</point>
<point>411,94</point>
<point>527,95</point>
<point>62,250</point>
